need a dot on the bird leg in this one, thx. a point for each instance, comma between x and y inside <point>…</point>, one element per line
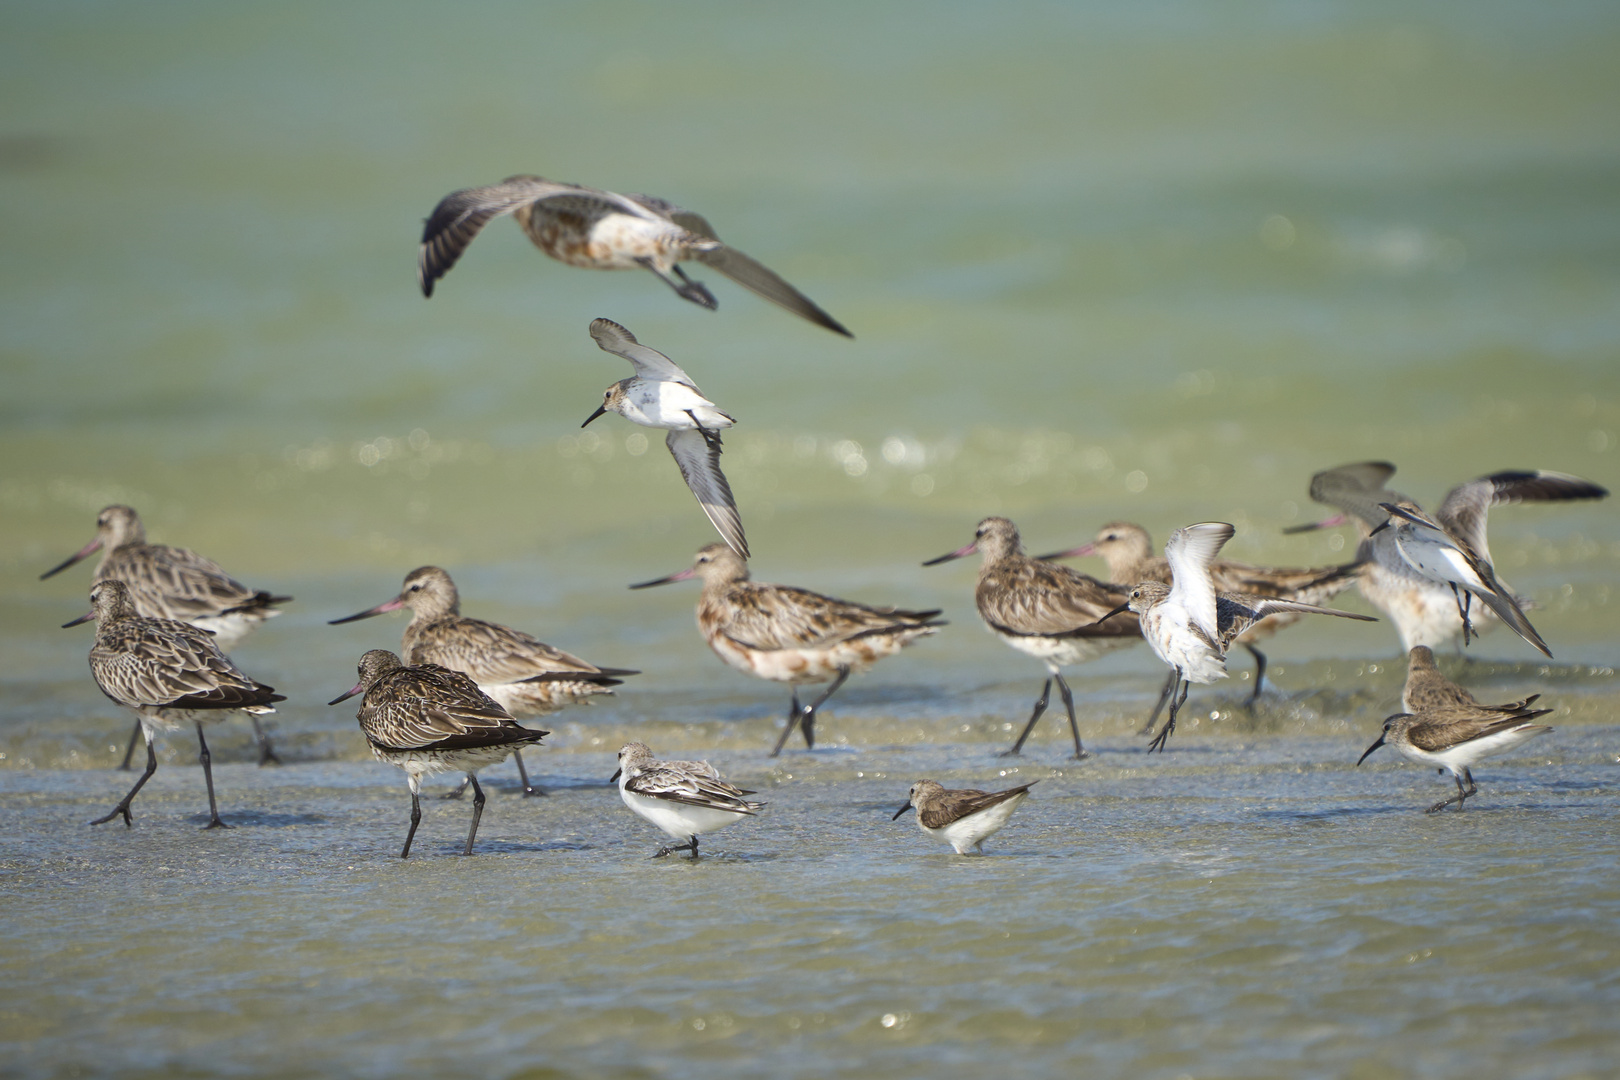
<point>267,753</point>
<point>1461,794</point>
<point>1040,707</point>
<point>123,806</point>
<point>692,846</point>
<point>1170,724</point>
<point>684,287</point>
<point>1074,725</point>
<point>808,724</point>
<point>460,790</point>
<point>523,775</point>
<point>416,819</point>
<point>129,753</point>
<point>1164,696</point>
<point>795,713</point>
<point>208,775</point>
<point>711,438</point>
<point>1463,598</point>
<point>1259,675</point>
<point>478,811</point>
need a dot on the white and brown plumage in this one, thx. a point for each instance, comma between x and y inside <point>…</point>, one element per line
<point>684,798</point>
<point>791,635</point>
<point>1424,611</point>
<point>964,818</point>
<point>426,719</point>
<point>1127,548</point>
<point>1454,738</point>
<point>1057,615</point>
<point>176,583</point>
<point>524,675</point>
<point>1190,624</point>
<point>603,230</point>
<point>167,672</point>
<point>1428,691</point>
<point>661,395</point>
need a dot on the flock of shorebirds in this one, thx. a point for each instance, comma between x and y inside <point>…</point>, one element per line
<point>166,617</point>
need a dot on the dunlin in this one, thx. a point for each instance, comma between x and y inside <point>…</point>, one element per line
<point>1055,614</point>
<point>684,798</point>
<point>176,583</point>
<point>963,818</point>
<point>602,230</point>
<point>1189,624</point>
<point>1453,739</point>
<point>427,719</point>
<point>525,676</point>
<point>791,635</point>
<point>167,672</point>
<point>661,395</point>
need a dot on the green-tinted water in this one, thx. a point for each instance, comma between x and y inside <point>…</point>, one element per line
<point>1157,263</point>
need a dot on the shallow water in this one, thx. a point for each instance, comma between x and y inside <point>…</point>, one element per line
<point>1157,263</point>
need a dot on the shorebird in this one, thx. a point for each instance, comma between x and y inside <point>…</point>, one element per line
<point>525,676</point>
<point>1050,612</point>
<point>962,818</point>
<point>1425,612</point>
<point>661,395</point>
<point>1428,691</point>
<point>1128,550</point>
<point>426,719</point>
<point>1435,553</point>
<point>602,230</point>
<point>1189,624</point>
<point>790,635</point>
<point>1453,739</point>
<point>167,672</point>
<point>684,798</point>
<point>176,583</point>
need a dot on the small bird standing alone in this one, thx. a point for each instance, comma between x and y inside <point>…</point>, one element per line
<point>963,818</point>
<point>684,798</point>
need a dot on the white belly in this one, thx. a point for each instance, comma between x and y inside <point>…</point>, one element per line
<point>1458,757</point>
<point>966,834</point>
<point>1166,629</point>
<point>680,820</point>
<point>1058,653</point>
<point>672,405</point>
<point>620,241</point>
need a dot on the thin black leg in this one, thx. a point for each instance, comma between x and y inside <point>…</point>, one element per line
<point>129,752</point>
<point>1164,698</point>
<point>1259,675</point>
<point>795,714</point>
<point>267,753</point>
<point>123,806</point>
<point>208,775</point>
<point>478,811</point>
<point>684,287</point>
<point>1170,725</point>
<point>691,846</point>
<point>1074,725</point>
<point>416,819</point>
<point>523,775</point>
<point>456,794</point>
<point>807,724</point>
<point>1040,707</point>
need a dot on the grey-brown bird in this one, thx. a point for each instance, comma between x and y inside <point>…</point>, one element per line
<point>426,719</point>
<point>1428,691</point>
<point>603,230</point>
<point>524,675</point>
<point>1455,738</point>
<point>964,817</point>
<point>167,672</point>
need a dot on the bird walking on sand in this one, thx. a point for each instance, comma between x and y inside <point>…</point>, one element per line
<point>176,583</point>
<point>525,676</point>
<point>167,672</point>
<point>1455,738</point>
<point>603,230</point>
<point>1189,624</point>
<point>963,818</point>
<point>661,395</point>
<point>791,635</point>
<point>1057,615</point>
<point>1424,611</point>
<point>426,719</point>
<point>684,798</point>
<point>1428,691</point>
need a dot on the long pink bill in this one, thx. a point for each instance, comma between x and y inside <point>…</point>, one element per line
<point>83,553</point>
<point>957,554</point>
<point>1310,526</point>
<point>393,605</point>
<point>685,575</point>
<point>341,698</point>
<point>1080,552</point>
<point>86,617</point>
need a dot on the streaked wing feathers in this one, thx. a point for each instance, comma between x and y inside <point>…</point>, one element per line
<point>697,453</point>
<point>677,783</point>
<point>951,806</point>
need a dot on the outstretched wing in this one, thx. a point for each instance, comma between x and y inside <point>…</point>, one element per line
<point>649,363</point>
<point>1466,506</point>
<point>763,281</point>
<point>1190,551</point>
<point>1357,489</point>
<point>698,455</point>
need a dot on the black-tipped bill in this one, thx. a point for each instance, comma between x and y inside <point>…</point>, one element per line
<point>902,810</point>
<point>600,409</point>
<point>1312,526</point>
<point>341,698</point>
<point>1126,606</point>
<point>393,605</point>
<point>82,553</point>
<point>614,779</point>
<point>1073,553</point>
<point>684,575</point>
<point>86,617</point>
<point>1370,749</point>
<point>957,554</point>
<point>1397,512</point>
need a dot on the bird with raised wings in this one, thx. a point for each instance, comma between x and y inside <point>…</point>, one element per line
<point>661,395</point>
<point>603,230</point>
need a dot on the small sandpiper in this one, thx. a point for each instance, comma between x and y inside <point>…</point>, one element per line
<point>1050,612</point>
<point>166,671</point>
<point>525,676</point>
<point>1189,625</point>
<point>1424,611</point>
<point>176,583</point>
<point>661,395</point>
<point>1427,690</point>
<point>684,798</point>
<point>602,230</point>
<point>791,635</point>
<point>963,818</point>
<point>1454,738</point>
<point>426,719</point>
